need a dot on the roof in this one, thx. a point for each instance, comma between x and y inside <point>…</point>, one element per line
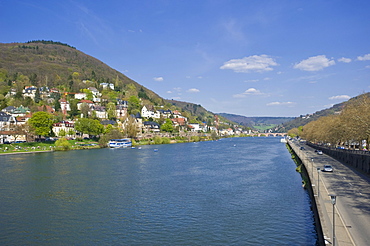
<point>151,123</point>
<point>5,117</point>
<point>86,101</point>
<point>108,122</point>
<point>48,109</point>
<point>9,109</point>
<point>180,121</point>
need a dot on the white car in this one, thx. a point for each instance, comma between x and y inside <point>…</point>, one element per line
<point>319,152</point>
<point>327,168</point>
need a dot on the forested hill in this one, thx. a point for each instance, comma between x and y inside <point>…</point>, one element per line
<point>304,119</point>
<point>52,64</point>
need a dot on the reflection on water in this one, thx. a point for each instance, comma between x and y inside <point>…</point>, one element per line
<point>242,191</point>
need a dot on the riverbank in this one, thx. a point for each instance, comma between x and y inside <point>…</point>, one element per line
<point>39,147</point>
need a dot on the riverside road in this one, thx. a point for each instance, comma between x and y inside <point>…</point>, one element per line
<point>352,188</point>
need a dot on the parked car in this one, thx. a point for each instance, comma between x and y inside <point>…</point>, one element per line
<point>327,168</point>
<point>319,152</point>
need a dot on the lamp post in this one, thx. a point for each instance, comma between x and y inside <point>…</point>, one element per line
<point>312,166</point>
<point>333,201</point>
<point>318,182</point>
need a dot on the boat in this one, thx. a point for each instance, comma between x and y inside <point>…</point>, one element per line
<point>283,140</point>
<point>120,143</point>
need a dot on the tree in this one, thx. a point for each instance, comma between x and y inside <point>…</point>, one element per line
<point>62,133</point>
<point>41,123</point>
<point>62,144</point>
<point>89,126</point>
<point>74,109</point>
<point>114,133</point>
<point>130,129</point>
<point>167,126</point>
<point>85,109</point>
<point>111,110</point>
<point>133,105</point>
<point>89,94</point>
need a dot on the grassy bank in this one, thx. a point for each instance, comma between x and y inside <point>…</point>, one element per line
<point>45,146</point>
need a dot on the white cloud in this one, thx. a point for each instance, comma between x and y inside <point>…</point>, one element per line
<point>193,90</point>
<point>314,63</point>
<point>252,80</point>
<point>248,64</point>
<point>364,58</point>
<point>345,60</point>
<point>250,91</point>
<point>340,97</point>
<point>169,92</point>
<point>158,79</point>
<point>280,104</point>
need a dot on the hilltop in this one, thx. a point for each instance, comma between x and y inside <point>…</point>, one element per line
<point>52,64</point>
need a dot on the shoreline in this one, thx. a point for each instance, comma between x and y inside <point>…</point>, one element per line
<point>26,152</point>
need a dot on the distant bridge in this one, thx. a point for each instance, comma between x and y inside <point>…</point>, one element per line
<point>282,134</point>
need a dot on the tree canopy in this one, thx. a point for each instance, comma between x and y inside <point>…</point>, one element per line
<point>89,126</point>
<point>41,123</point>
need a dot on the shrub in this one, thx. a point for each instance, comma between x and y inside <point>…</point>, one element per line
<point>62,144</point>
<point>165,140</point>
<point>157,140</point>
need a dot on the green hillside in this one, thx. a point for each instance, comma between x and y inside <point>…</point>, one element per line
<point>57,65</point>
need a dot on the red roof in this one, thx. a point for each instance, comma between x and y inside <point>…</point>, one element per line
<point>86,101</point>
<point>180,121</point>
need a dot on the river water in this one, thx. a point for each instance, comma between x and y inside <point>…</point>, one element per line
<point>239,191</point>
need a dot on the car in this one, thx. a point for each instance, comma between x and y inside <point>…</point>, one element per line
<point>319,152</point>
<point>327,168</point>
<point>301,148</point>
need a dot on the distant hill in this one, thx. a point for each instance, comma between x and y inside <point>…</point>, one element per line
<point>258,123</point>
<point>201,113</point>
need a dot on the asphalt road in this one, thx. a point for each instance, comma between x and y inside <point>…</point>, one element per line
<point>352,189</point>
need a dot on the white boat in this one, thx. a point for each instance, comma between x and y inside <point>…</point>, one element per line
<point>120,143</point>
<point>283,140</point>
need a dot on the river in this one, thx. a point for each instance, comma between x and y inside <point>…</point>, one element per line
<point>237,191</point>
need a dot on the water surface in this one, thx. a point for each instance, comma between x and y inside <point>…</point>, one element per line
<point>240,191</point>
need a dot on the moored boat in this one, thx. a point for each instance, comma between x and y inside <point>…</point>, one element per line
<point>120,143</point>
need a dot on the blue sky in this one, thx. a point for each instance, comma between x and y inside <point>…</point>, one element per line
<point>246,57</point>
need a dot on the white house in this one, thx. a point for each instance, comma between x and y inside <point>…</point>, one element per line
<point>29,91</point>
<point>80,95</point>
<point>64,105</point>
<point>121,110</point>
<point>107,85</point>
<point>100,112</point>
<point>67,126</point>
<point>149,113</point>
<point>88,102</point>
